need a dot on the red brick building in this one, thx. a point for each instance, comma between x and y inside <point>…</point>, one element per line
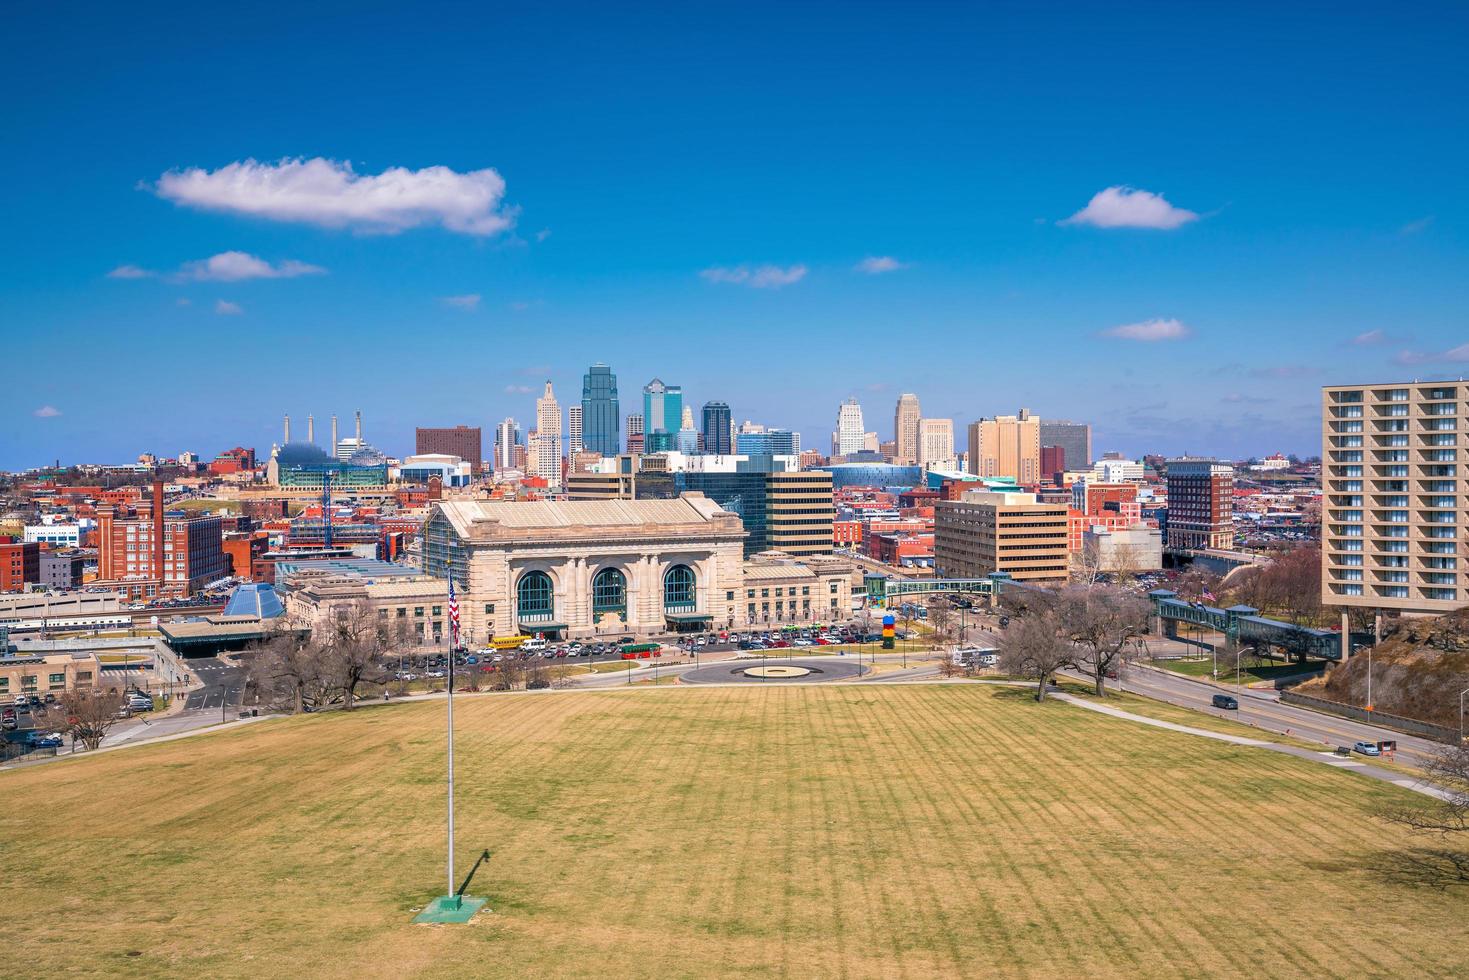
<point>149,554</point>
<point>20,563</point>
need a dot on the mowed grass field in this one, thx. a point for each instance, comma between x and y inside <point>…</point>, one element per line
<point>841,831</point>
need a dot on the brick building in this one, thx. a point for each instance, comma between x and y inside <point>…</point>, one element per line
<point>153,554</point>
<point>1200,504</point>
<point>462,441</point>
<point>20,563</point>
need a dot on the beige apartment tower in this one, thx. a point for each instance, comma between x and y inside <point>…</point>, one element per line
<point>1007,445</point>
<point>1394,497</point>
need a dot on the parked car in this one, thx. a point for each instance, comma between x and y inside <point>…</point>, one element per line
<point>8,720</point>
<point>1367,748</point>
<point>1226,702</point>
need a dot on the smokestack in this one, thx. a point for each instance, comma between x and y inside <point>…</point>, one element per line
<point>334,435</point>
<point>359,428</point>
<point>288,432</point>
<point>311,428</point>
<point>158,533</point>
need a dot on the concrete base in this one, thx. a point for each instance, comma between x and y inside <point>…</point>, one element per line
<point>451,909</point>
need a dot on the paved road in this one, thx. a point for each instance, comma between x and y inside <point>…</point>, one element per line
<point>1264,710</point>
<point>222,685</point>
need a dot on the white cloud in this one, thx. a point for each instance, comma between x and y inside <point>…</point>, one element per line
<point>875,265</point>
<point>330,193</point>
<point>1125,207</point>
<point>543,234</point>
<point>130,272</point>
<point>1414,227</point>
<point>47,412</point>
<point>1150,330</point>
<point>183,301</point>
<point>1453,355</point>
<point>758,277</point>
<point>238,266</point>
<point>518,389</point>
<point>469,301</point>
<point>225,308</point>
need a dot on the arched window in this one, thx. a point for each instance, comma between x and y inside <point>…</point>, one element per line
<point>534,598</point>
<point>609,592</point>
<point>678,589</point>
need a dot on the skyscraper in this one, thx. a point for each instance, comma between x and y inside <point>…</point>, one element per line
<point>635,436</point>
<point>716,429</point>
<point>546,443</point>
<point>600,410</point>
<point>851,434</point>
<point>462,441</point>
<point>574,443</point>
<point>935,442</point>
<point>507,436</point>
<point>1007,445</point>
<point>905,430</point>
<point>687,438</point>
<point>662,407</point>
<point>1073,437</point>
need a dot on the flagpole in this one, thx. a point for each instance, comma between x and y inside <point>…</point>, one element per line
<point>452,643</point>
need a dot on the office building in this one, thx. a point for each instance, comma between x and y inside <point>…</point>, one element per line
<point>906,446</point>
<point>716,429</point>
<point>662,410</point>
<point>990,531</point>
<point>20,564</point>
<point>789,511</point>
<point>601,411</point>
<point>769,442</point>
<point>687,439</point>
<point>507,437</point>
<point>60,569</point>
<point>545,448</point>
<point>574,442</point>
<point>1006,446</point>
<point>850,436</point>
<point>936,443</point>
<point>1073,437</point>
<point>1053,461</point>
<point>1200,504</point>
<point>1394,495</point>
<point>1117,471</point>
<point>461,440</point>
<point>59,534</point>
<point>158,554</point>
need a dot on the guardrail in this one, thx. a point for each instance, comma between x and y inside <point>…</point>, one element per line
<point>1410,726</point>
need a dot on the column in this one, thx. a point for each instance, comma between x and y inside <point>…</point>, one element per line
<point>1346,636</point>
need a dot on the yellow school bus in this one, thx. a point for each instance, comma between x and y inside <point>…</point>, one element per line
<point>508,642</point>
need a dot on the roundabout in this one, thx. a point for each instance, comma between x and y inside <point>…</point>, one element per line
<point>786,671</point>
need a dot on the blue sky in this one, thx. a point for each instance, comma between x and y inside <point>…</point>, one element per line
<point>691,193</point>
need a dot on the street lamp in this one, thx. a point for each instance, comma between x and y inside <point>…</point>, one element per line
<point>1461,714</point>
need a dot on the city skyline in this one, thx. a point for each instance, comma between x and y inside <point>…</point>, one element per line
<point>1208,255</point>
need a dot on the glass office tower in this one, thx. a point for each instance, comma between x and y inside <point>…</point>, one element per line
<point>600,411</point>
<point>716,429</point>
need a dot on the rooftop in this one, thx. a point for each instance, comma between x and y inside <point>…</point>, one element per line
<point>689,508</point>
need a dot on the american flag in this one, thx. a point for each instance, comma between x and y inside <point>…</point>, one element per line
<point>453,617</point>
<point>1207,596</point>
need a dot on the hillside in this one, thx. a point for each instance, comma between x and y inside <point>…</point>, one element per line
<point>1417,672</point>
<point>915,831</point>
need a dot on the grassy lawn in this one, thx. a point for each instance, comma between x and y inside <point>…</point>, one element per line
<point>611,666</point>
<point>1248,675</point>
<point>909,831</point>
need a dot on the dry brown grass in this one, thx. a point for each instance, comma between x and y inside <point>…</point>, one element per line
<point>788,831</point>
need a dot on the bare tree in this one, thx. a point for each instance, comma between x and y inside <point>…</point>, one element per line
<point>355,646</point>
<point>90,715</point>
<point>1447,819</point>
<point>1104,622</point>
<point>1036,647</point>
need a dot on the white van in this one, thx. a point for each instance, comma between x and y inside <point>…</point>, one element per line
<point>534,645</point>
<point>976,656</point>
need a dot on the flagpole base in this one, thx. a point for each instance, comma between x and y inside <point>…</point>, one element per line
<point>451,909</point>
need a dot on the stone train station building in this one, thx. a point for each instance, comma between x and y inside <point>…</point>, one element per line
<point>610,568</point>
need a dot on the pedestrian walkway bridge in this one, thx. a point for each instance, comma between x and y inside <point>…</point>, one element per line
<point>1241,625</point>
<point>883,591</point>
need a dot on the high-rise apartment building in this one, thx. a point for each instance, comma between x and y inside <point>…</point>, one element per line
<point>984,532</point>
<point>600,410</point>
<point>1007,445</point>
<point>1200,504</point>
<point>1394,496</point>
<point>546,441</point>
<point>717,429</point>
<point>935,442</point>
<point>662,407</point>
<point>507,436</point>
<point>1073,437</point>
<point>574,442</point>
<point>462,441</point>
<point>905,431</point>
<point>851,434</point>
